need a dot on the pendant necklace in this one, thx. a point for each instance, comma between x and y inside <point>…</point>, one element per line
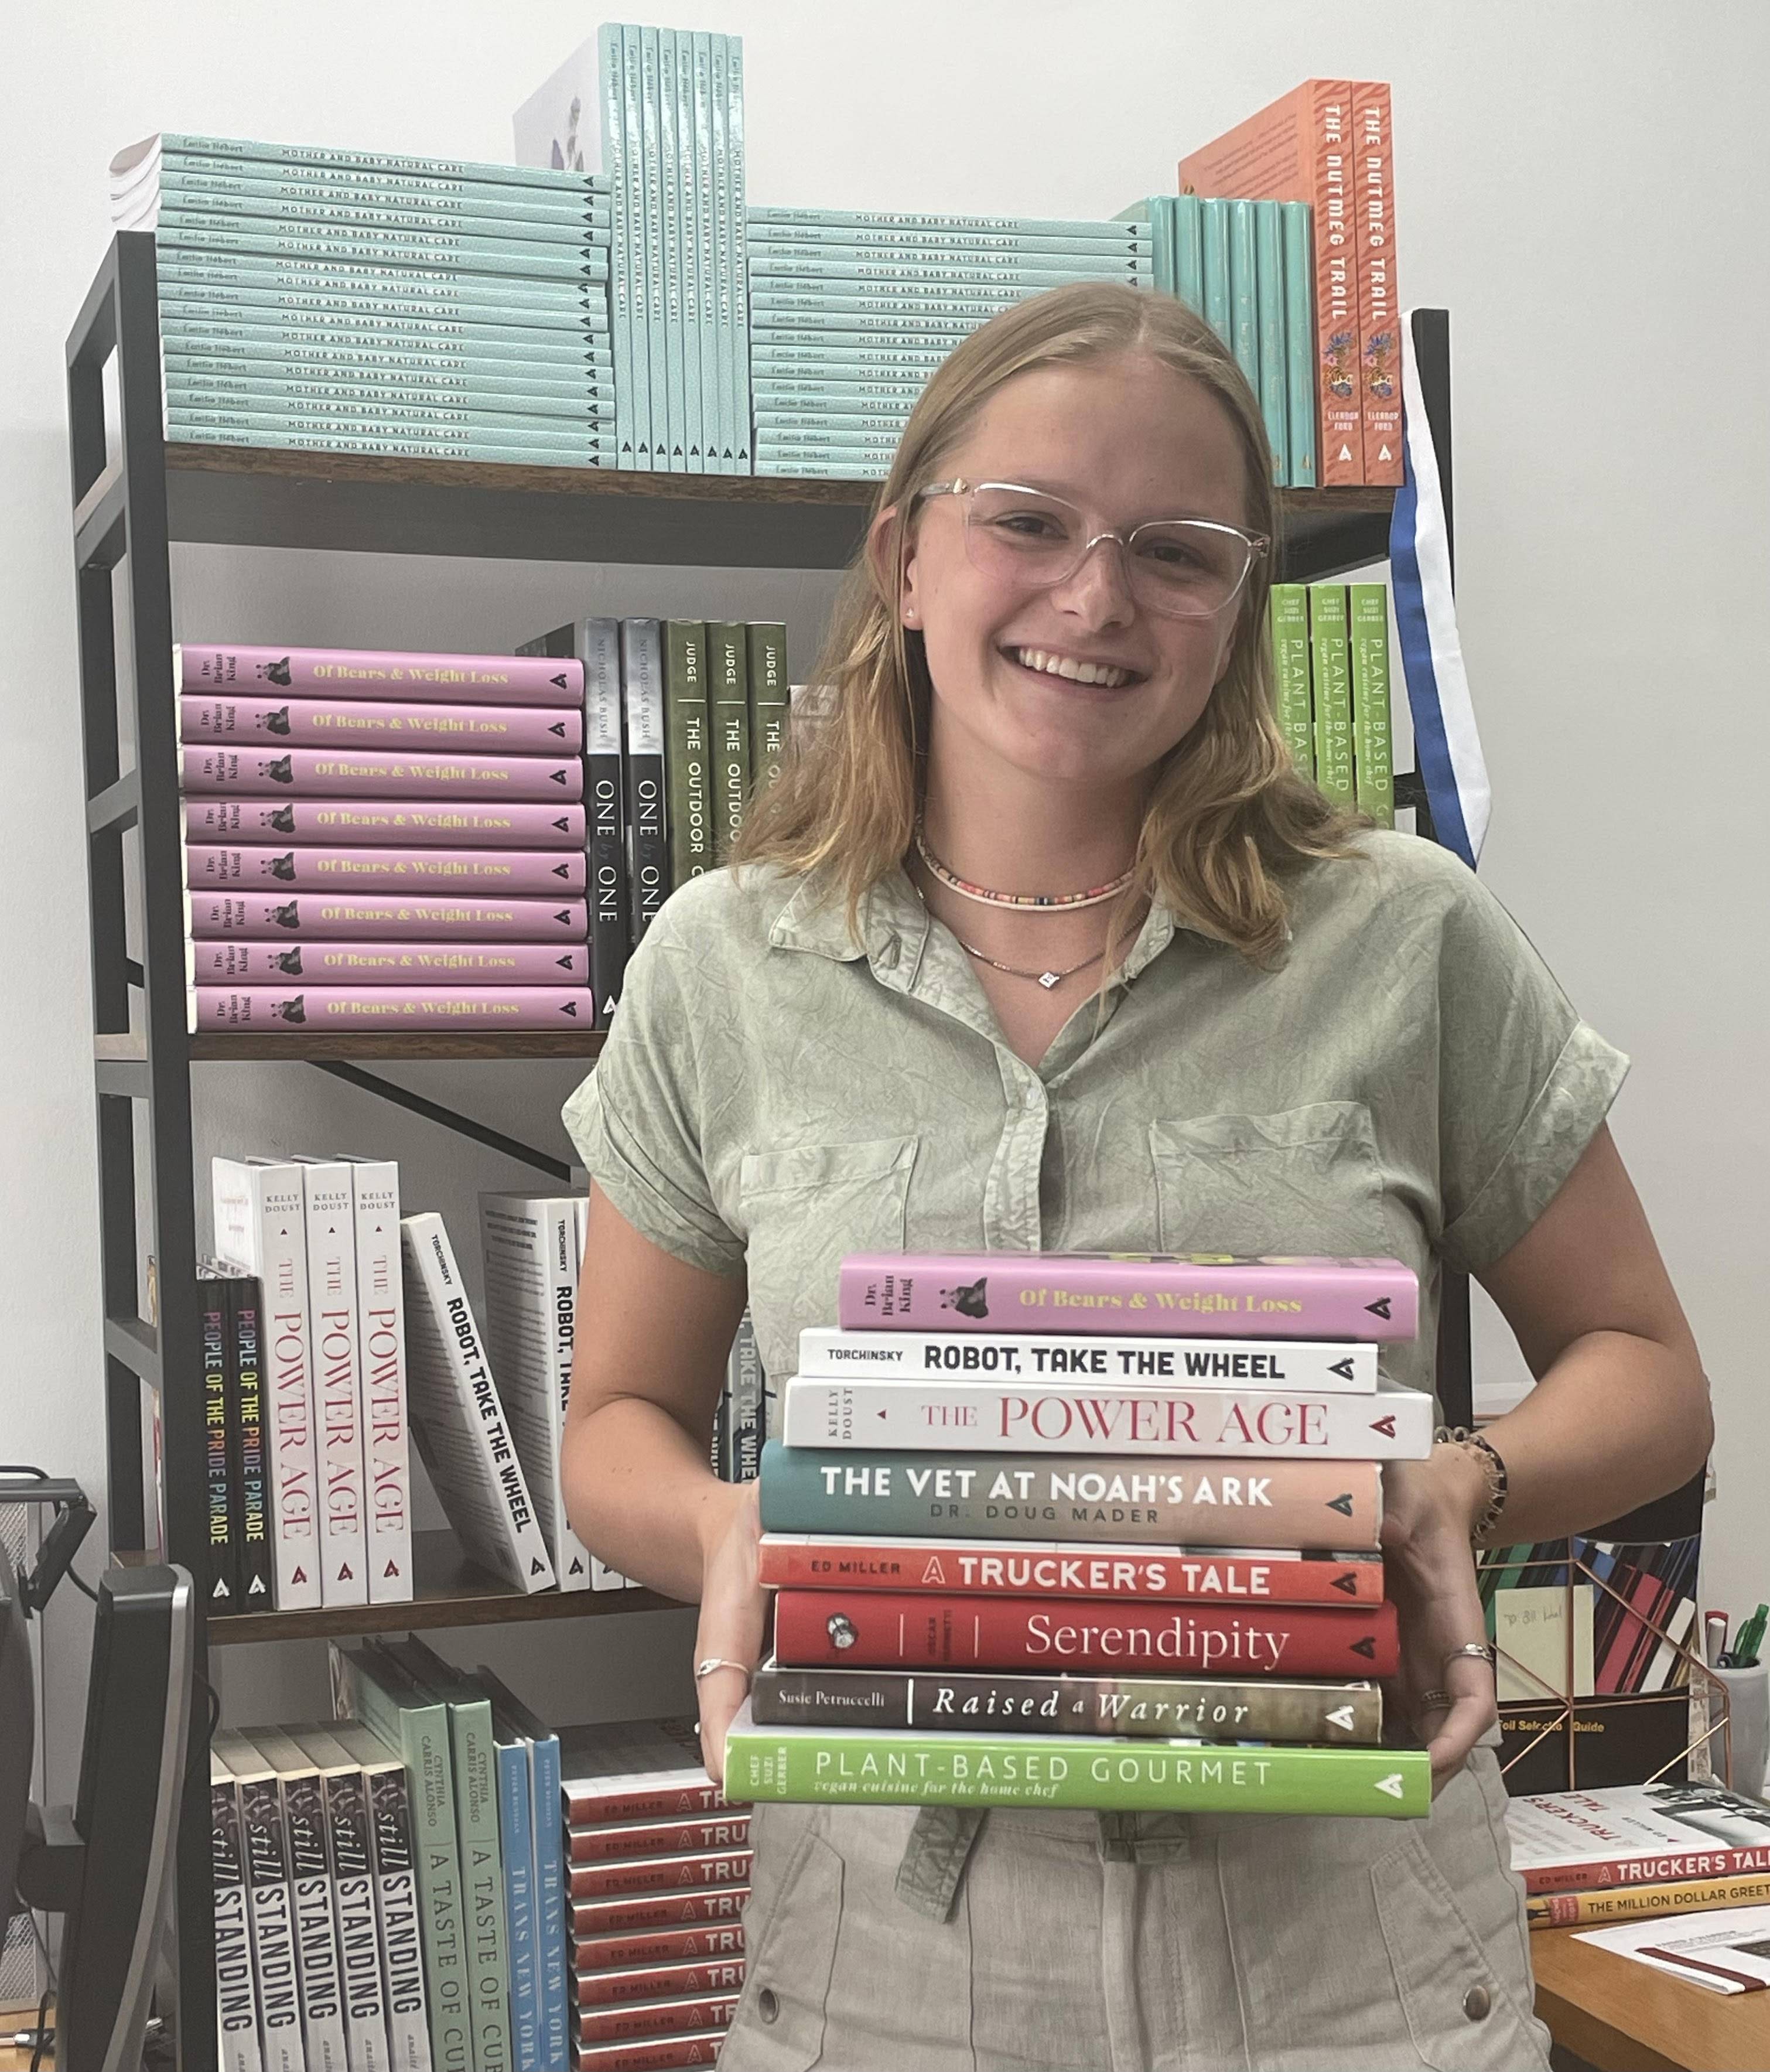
<point>1047,979</point>
<point>1048,902</point>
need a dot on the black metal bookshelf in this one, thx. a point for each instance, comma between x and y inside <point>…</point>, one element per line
<point>134,494</point>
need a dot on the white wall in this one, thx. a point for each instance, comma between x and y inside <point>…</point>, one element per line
<point>1580,184</point>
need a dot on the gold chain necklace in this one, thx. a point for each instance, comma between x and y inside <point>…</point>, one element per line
<point>1047,979</point>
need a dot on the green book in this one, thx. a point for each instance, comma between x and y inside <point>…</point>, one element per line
<point>727,670</point>
<point>366,1685</point>
<point>1373,745</point>
<point>1269,298</point>
<point>770,698</point>
<point>687,758</point>
<point>1331,659</point>
<point>1190,251</point>
<point>1292,700</point>
<point>1244,293</point>
<point>1295,236</point>
<point>914,1767</point>
<point>1215,215</point>
<point>1157,211</point>
<point>473,1752</point>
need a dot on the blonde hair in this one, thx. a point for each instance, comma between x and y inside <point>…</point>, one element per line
<point>1227,817</point>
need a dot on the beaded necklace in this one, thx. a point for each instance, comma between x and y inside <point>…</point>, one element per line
<point>1049,903</point>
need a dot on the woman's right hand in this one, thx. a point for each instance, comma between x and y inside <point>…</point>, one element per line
<point>733,1619</point>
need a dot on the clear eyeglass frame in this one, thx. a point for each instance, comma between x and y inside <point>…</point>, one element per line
<point>1149,591</point>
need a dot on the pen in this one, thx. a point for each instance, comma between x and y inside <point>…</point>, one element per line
<point>1714,1638</point>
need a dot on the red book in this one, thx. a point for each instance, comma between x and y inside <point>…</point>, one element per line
<point>673,1874</point>
<point>423,873</point>
<point>635,1770</point>
<point>384,917</point>
<point>861,1629</point>
<point>331,773</point>
<point>384,823</point>
<point>390,1007</point>
<point>650,1981</point>
<point>661,2053</point>
<point>656,1838</point>
<point>641,1914</point>
<point>371,723</point>
<point>1379,308</point>
<point>662,1945</point>
<point>1031,1568</point>
<point>670,2018</point>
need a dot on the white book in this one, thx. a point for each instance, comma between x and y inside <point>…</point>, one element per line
<point>386,1452</point>
<point>1322,1367</point>
<point>350,1861</point>
<point>923,1414</point>
<point>235,1974</point>
<point>317,1960</point>
<point>261,1227</point>
<point>457,1418</point>
<point>338,1379</point>
<point>531,1248</point>
<point>602,1577</point>
<point>397,1922</point>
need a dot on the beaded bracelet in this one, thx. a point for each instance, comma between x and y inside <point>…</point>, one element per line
<point>1491,1466</point>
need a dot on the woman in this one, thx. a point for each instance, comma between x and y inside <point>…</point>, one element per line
<point>1232,1023</point>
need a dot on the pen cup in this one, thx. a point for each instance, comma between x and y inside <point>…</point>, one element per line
<point>1747,1732</point>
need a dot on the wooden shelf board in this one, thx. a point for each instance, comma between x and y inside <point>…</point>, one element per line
<point>239,1045</point>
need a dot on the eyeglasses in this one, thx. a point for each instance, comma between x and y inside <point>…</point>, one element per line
<point>1178,568</point>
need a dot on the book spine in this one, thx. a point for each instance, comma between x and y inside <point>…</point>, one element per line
<point>382,823</point>
<point>848,330</point>
<point>523,874</point>
<point>908,277</point>
<point>1134,235</point>
<point>697,442</point>
<point>516,1842</point>
<point>670,251</point>
<point>1299,354</point>
<point>1589,1909</point>
<point>1051,1569</point>
<point>337,1378</point>
<point>472,382</point>
<point>782,221</point>
<point>640,1982</point>
<point>688,751</point>
<point>672,1874</point>
<point>474,1754</point>
<point>573,1565</point>
<point>820,360</point>
<point>538,441</point>
<point>1379,311</point>
<point>226,1588</point>
<point>648,855</point>
<point>548,303</point>
<point>374,1205</point>
<point>236,1978</point>
<point>621,234</point>
<point>926,1768</point>
<point>1331,672</point>
<point>663,2018</point>
<point>316,1925</point>
<point>1268,314</point>
<point>605,791</point>
<point>1293,700</point>
<point>398,1918</point>
<point>707,219</point>
<point>354,673</point>
<point>1363,1299</point>
<point>781,397</point>
<point>388,1006</point>
<point>728,650</point>
<point>319,723</point>
<point>746,1387</point>
<point>329,772</point>
<point>1331,1505</point>
<point>1188,234</point>
<point>876,1629</point>
<point>652,178</point>
<point>326,243</point>
<point>977,1415</point>
<point>676,1793</point>
<point>246,1423</point>
<point>766,668</point>
<point>327,915</point>
<point>659,2055</point>
<point>639,246</point>
<point>667,1909</point>
<point>1340,454</point>
<point>314,327</point>
<point>961,306</point>
<point>728,1830</point>
<point>183,147</point>
<point>270,1909</point>
<point>1145,1706</point>
<point>1327,1365</point>
<point>234,961</point>
<point>724,286</point>
<point>559,320</point>
<point>1373,753</point>
<point>613,1953</point>
<point>265,192</point>
<point>738,217</point>
<point>1218,310</point>
<point>549,1898</point>
<point>350,1861</point>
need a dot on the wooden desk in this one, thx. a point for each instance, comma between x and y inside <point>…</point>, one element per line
<point>1622,2016</point>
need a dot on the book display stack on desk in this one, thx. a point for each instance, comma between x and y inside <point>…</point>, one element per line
<point>1032,1545</point>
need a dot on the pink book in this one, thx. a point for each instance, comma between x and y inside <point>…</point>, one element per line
<point>387,1007</point>
<point>234,960</point>
<point>1270,1298</point>
<point>384,823</point>
<point>373,916</point>
<point>327,772</point>
<point>431,873</point>
<point>353,673</point>
<point>369,723</point>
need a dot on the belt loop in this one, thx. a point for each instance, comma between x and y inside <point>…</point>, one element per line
<point>1118,1837</point>
<point>933,1858</point>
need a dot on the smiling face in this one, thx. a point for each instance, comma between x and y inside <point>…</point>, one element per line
<point>1076,684</point>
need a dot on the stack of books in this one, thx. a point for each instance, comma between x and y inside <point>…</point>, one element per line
<point>1330,679</point>
<point>851,311</point>
<point>353,303</point>
<point>1621,1852</point>
<point>305,1380</point>
<point>383,842</point>
<point>658,1863</point>
<point>1032,1546</point>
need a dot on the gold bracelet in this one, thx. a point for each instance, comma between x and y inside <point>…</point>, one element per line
<point>1491,1466</point>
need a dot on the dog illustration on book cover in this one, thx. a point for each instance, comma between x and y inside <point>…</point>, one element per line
<point>276,672</point>
<point>280,771</point>
<point>286,961</point>
<point>969,1298</point>
<point>285,917</point>
<point>278,722</point>
<point>283,866</point>
<point>294,1008</point>
<point>281,819</point>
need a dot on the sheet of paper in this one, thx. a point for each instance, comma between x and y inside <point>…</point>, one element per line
<point>1727,1951</point>
<point>1530,1631</point>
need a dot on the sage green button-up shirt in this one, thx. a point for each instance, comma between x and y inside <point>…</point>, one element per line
<point>1410,1081</point>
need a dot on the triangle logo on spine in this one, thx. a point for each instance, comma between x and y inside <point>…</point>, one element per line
<point>1367,1647</point>
<point>1380,1308</point>
<point>1342,1504</point>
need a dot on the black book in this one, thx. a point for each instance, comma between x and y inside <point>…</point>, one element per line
<point>220,1443</point>
<point>242,1466</point>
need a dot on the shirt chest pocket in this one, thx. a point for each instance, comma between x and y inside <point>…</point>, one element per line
<point>1306,1180</point>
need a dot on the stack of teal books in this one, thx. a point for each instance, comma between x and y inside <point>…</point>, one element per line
<point>352,302</point>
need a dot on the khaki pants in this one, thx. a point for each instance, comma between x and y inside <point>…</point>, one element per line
<point>1153,1942</point>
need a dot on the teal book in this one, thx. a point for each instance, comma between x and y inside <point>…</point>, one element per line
<point>854,223</point>
<point>188,231</point>
<point>690,810</point>
<point>552,1901</point>
<point>769,697</point>
<point>917,1767</point>
<point>847,469</point>
<point>856,327</point>
<point>1032,270</point>
<point>430,286</point>
<point>246,190</point>
<point>717,461</point>
<point>1299,368</point>
<point>1293,698</point>
<point>366,1685</point>
<point>1134,232</point>
<point>1269,290</point>
<point>517,435</point>
<point>1373,747</point>
<point>652,171</point>
<point>849,359</point>
<point>473,1752</point>
<point>1331,672</point>
<point>1214,214</point>
<point>857,395</point>
<point>1190,251</point>
<point>562,320</point>
<point>184,147</point>
<point>724,284</point>
<point>182,318</point>
<point>728,659</point>
<point>670,246</point>
<point>545,391</point>
<point>738,206</point>
<point>1244,293</point>
<point>563,417</point>
<point>862,419</point>
<point>474,449</point>
<point>694,446</point>
<point>632,125</point>
<point>968,303</point>
<point>621,233</point>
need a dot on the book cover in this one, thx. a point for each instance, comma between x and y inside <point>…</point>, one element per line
<point>338,1379</point>
<point>323,916</point>
<point>318,1964</point>
<point>223,1587</point>
<point>1217,309</point>
<point>1172,1503</point>
<point>425,872</point>
<point>270,1910</point>
<point>388,1007</point>
<point>141,161</point>
<point>591,1954</point>
<point>517,1814</point>
<point>688,751</point>
<point>657,2055</point>
<point>471,383</point>
<point>629,1875</point>
<point>375,1212</point>
<point>431,445</point>
<point>1379,307</point>
<point>1269,317</point>
<point>579,414</point>
<point>1031,1568</point>
<point>738,221</point>
<point>319,723</point>
<point>1330,673</point>
<point>670,255</point>
<point>1592,1909</point>
<point>647,415</point>
<point>686,212</point>
<point>657,2017</point>
<point>665,1910</point>
<point>310,330</point>
<point>396,824</point>
<point>1299,359</point>
<point>350,1863</point>
<point>728,653</point>
<point>606,1843</point>
<point>1373,749</point>
<point>950,1413</point>
<point>748,1397</point>
<point>296,193</point>
<point>1320,1298</point>
<point>355,672</point>
<point>327,240</point>
<point>1634,1835</point>
<point>650,164</point>
<point>247,1440</point>
<point>643,1982</point>
<point>777,222</point>
<point>1244,295</point>
<point>332,772</point>
<point>261,1228</point>
<point>1293,699</point>
<point>622,230</point>
<point>718,454</point>
<point>252,280</point>
<point>542,1744</point>
<point>397,1916</point>
<point>233,960</point>
<point>1214,1708</point>
<point>1300,149</point>
<point>634,1770</point>
<point>927,1768</point>
<point>766,672</point>
<point>458,1419</point>
<point>648,854</point>
<point>235,1974</point>
<point>880,1629</point>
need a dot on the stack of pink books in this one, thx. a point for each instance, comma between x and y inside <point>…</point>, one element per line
<point>383,842</point>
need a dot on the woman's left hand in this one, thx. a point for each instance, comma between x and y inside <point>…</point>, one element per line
<point>1430,1507</point>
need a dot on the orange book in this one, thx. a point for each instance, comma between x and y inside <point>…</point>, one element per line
<point>1379,308</point>
<point>1300,149</point>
